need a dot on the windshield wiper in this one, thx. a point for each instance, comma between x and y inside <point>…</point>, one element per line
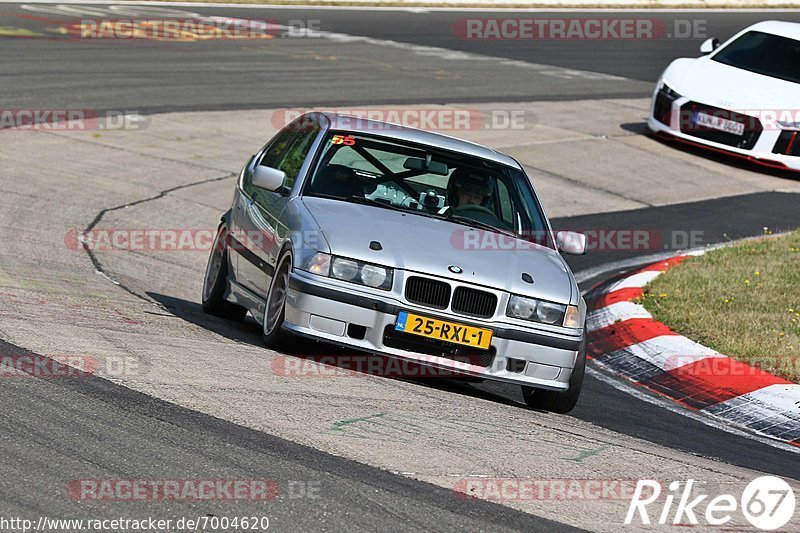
<point>377,203</point>
<point>359,200</point>
<point>480,225</point>
<point>369,201</point>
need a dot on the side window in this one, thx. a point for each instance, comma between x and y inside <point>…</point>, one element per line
<point>286,151</point>
<point>295,155</point>
<point>278,146</point>
<point>271,156</point>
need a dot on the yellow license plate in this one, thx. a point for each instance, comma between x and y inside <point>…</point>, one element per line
<point>442,330</point>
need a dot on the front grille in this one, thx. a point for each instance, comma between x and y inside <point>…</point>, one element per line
<point>448,350</point>
<point>746,141</point>
<point>473,302</point>
<point>662,110</point>
<point>788,143</point>
<point>428,292</point>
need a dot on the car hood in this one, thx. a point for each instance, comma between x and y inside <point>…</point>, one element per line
<point>422,244</point>
<point>710,82</point>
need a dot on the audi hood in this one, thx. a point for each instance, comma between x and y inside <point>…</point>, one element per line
<point>713,83</point>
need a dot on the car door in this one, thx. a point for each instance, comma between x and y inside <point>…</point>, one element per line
<point>258,219</point>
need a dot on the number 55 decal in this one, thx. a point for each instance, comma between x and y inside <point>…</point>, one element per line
<point>348,140</point>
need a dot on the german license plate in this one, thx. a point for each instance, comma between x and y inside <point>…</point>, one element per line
<point>719,123</point>
<point>442,330</point>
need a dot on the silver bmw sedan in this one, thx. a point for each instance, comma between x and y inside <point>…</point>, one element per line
<point>405,243</point>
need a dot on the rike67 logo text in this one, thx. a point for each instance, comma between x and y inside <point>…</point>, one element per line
<point>767,503</point>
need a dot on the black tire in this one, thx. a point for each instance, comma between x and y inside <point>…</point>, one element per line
<point>216,279</point>
<point>559,402</point>
<point>274,311</point>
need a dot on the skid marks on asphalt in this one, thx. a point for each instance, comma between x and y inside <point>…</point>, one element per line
<point>53,305</point>
<point>453,433</point>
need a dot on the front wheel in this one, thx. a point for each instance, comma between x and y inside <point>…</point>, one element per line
<point>559,402</point>
<point>274,311</point>
<point>216,279</point>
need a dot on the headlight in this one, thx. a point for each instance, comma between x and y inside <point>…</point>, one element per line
<point>541,311</point>
<point>789,125</point>
<point>572,318</point>
<point>351,270</point>
<point>344,269</point>
<point>667,89</point>
<point>374,275</point>
<point>549,313</point>
<point>520,307</point>
<point>320,264</point>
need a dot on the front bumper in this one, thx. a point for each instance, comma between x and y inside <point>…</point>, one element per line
<point>319,308</point>
<point>762,153</point>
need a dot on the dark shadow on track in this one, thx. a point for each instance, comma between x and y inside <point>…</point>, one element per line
<point>677,227</point>
<point>640,128</point>
<point>148,438</point>
<point>249,332</point>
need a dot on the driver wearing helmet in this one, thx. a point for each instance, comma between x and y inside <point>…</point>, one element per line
<point>467,187</point>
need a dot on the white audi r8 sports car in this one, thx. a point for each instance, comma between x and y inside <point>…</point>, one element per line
<point>384,239</point>
<point>741,97</point>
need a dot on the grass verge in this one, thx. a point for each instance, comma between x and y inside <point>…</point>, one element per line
<point>742,301</point>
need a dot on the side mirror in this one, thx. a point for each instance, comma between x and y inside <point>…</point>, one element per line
<point>268,178</point>
<point>709,45</point>
<point>571,242</point>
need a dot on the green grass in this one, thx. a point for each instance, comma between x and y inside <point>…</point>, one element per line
<point>742,301</point>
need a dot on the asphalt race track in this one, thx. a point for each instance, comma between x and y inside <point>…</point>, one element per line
<point>202,398</point>
<point>151,77</point>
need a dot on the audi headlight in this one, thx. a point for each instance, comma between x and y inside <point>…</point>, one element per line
<point>667,89</point>
<point>351,270</point>
<point>788,125</point>
<point>541,311</point>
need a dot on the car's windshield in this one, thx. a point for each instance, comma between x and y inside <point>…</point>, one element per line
<point>764,53</point>
<point>429,182</point>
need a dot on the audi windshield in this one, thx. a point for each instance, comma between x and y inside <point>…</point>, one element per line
<point>764,53</point>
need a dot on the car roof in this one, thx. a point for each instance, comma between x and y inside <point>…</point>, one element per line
<point>777,27</point>
<point>356,124</point>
